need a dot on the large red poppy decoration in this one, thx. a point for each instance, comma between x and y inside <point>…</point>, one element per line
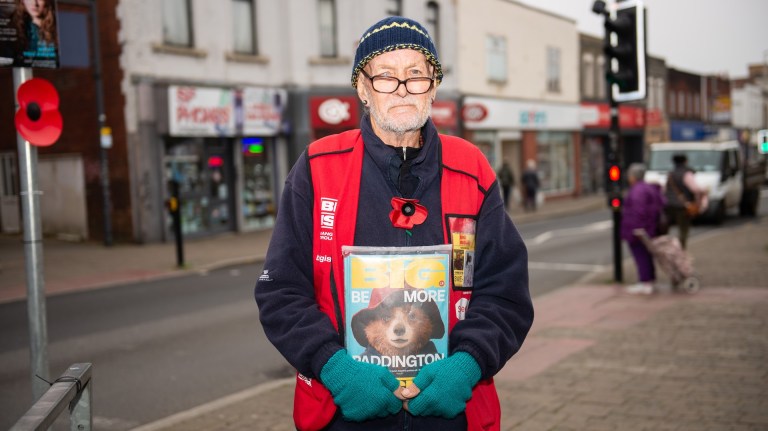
<point>38,119</point>
<point>407,213</point>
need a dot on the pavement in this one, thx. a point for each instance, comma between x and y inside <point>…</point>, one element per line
<point>596,358</point>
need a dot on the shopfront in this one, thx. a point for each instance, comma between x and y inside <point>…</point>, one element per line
<point>221,150</point>
<point>262,155</point>
<point>516,131</point>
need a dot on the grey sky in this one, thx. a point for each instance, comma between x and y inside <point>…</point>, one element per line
<point>700,36</point>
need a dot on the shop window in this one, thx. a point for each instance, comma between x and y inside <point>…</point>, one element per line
<point>326,15</point>
<point>555,161</point>
<point>244,27</point>
<point>258,203</point>
<point>177,23</point>
<point>202,168</point>
<point>496,55</point>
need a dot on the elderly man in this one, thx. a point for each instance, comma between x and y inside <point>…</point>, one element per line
<point>395,182</point>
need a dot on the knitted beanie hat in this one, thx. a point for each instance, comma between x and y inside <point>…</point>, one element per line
<point>392,33</point>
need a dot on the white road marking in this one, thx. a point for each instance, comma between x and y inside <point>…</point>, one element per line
<point>578,267</point>
<point>594,227</point>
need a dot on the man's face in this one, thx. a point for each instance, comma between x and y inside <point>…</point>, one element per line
<point>398,112</point>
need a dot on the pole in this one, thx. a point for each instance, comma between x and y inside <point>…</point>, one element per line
<point>33,252</point>
<point>104,159</point>
<point>616,151</point>
<point>174,206</point>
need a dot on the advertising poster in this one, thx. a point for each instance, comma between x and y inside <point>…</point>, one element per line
<point>396,306</point>
<point>29,34</point>
<point>201,111</point>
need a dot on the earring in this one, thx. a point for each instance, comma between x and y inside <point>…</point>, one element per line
<point>365,102</point>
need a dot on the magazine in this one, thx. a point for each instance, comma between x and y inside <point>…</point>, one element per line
<point>396,301</point>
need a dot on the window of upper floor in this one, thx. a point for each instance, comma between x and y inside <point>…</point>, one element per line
<point>177,23</point>
<point>326,15</point>
<point>244,27</point>
<point>496,58</point>
<point>553,69</point>
<point>601,84</point>
<point>432,23</point>
<point>395,7</point>
<point>588,75</point>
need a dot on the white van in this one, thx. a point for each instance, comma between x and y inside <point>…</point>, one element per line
<point>718,170</point>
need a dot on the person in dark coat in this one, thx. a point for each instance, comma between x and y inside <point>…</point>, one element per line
<point>643,205</point>
<point>507,180</point>
<point>530,180</point>
<point>682,188</point>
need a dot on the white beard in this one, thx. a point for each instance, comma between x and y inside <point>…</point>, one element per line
<point>404,125</point>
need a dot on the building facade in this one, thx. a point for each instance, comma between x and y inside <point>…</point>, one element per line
<point>518,76</point>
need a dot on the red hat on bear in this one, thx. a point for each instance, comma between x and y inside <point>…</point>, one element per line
<point>393,297</point>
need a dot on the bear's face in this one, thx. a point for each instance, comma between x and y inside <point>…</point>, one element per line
<point>402,329</point>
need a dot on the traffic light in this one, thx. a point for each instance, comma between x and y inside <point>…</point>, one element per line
<point>624,47</point>
<point>613,188</point>
<point>762,141</point>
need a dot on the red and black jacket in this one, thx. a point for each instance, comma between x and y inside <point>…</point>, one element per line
<point>299,292</point>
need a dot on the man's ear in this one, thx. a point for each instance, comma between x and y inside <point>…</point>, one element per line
<point>362,92</point>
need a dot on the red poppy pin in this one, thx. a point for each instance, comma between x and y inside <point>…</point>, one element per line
<point>38,119</point>
<point>406,213</point>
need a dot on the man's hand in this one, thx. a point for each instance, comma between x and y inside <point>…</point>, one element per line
<point>443,387</point>
<point>361,390</point>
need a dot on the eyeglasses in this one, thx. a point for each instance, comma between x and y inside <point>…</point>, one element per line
<point>390,84</point>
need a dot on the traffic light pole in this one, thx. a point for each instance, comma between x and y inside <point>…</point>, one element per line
<point>614,150</point>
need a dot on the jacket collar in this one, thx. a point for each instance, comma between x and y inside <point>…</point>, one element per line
<point>381,153</point>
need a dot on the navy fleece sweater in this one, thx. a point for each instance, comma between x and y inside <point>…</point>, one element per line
<point>500,312</point>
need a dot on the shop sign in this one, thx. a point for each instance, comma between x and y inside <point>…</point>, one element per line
<point>598,115</point>
<point>474,112</point>
<point>499,114</point>
<point>201,111</point>
<point>338,112</point>
<point>262,110</point>
<point>444,114</point>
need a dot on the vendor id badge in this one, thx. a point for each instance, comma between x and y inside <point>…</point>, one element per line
<point>462,231</point>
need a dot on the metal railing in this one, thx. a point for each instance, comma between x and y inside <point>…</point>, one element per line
<point>72,389</point>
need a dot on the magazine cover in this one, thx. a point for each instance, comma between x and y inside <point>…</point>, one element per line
<point>396,301</point>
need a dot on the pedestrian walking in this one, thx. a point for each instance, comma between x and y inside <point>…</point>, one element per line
<point>531,184</point>
<point>507,180</point>
<point>682,192</point>
<point>642,209</point>
<point>405,186</point>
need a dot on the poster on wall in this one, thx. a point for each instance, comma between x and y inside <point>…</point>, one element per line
<point>29,34</point>
<point>201,111</point>
<point>262,110</point>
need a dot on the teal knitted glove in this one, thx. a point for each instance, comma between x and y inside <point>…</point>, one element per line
<point>445,385</point>
<point>361,390</point>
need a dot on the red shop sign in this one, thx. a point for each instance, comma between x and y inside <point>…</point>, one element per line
<point>630,117</point>
<point>444,114</point>
<point>336,112</point>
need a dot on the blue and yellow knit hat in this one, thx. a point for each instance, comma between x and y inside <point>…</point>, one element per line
<point>394,33</point>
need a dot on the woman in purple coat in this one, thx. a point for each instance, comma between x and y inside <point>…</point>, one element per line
<point>642,207</point>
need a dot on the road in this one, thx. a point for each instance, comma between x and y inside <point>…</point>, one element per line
<point>166,346</point>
